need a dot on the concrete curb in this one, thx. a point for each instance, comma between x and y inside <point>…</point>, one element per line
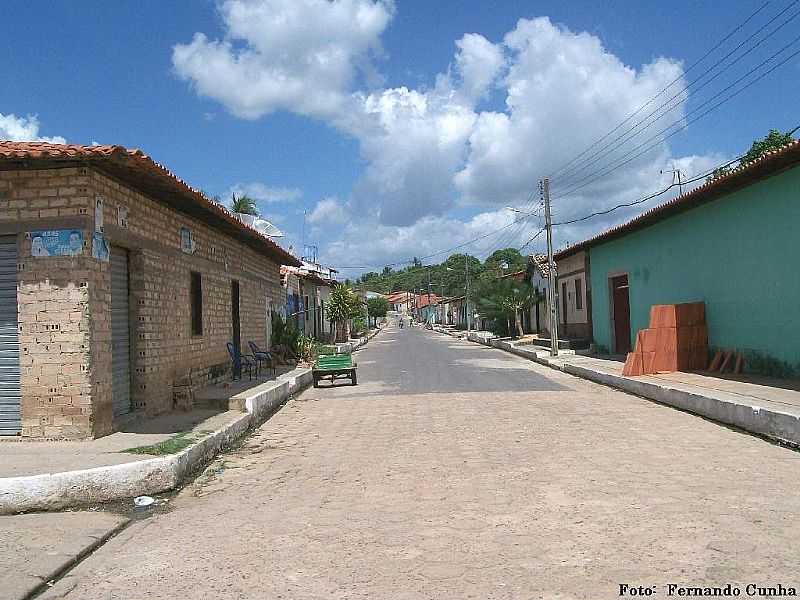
<point>53,491</point>
<point>767,422</point>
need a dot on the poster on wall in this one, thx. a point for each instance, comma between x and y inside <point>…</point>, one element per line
<point>98,214</point>
<point>99,247</point>
<point>56,242</point>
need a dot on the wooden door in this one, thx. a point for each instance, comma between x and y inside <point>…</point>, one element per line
<point>622,314</point>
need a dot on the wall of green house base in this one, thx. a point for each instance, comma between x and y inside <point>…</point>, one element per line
<point>739,254</point>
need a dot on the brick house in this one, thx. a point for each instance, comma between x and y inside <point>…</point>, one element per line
<point>117,280</point>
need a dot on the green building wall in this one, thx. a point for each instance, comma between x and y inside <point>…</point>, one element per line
<point>739,254</point>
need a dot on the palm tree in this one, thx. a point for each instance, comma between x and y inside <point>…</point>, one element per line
<point>244,204</point>
<point>343,305</point>
<point>506,298</point>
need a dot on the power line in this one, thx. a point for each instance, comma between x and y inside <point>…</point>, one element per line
<point>596,176</point>
<point>538,233</point>
<point>439,252</point>
<point>631,132</point>
<point>659,193</point>
<point>673,82</point>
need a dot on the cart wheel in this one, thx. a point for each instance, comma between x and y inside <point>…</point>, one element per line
<point>316,382</point>
<point>354,379</point>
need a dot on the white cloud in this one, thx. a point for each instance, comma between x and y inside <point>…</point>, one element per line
<point>264,193</point>
<point>296,55</point>
<point>24,129</point>
<point>371,244</point>
<point>478,62</point>
<point>431,149</point>
<point>564,91</point>
<point>328,211</point>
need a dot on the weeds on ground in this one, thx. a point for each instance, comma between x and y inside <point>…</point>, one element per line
<point>173,445</point>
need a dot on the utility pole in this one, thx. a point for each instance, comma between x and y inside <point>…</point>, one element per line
<point>303,236</point>
<point>466,298</point>
<point>676,173</point>
<point>551,269</point>
<point>428,316</point>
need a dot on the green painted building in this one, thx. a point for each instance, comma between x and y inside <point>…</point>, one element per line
<point>733,243</point>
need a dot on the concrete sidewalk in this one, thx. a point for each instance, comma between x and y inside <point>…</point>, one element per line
<point>34,549</point>
<point>51,475</point>
<point>764,406</point>
<point>37,457</point>
<point>54,475</point>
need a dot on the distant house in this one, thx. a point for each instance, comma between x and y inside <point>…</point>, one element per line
<point>426,307</point>
<point>306,296</point>
<point>731,243</point>
<point>574,294</point>
<point>400,301</point>
<point>537,274</point>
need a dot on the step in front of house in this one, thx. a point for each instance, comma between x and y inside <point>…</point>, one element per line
<point>571,344</point>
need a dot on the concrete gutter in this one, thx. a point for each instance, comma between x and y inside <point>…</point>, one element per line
<point>763,418</point>
<point>53,491</point>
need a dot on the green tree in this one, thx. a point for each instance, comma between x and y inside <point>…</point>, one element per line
<point>377,307</point>
<point>244,204</point>
<point>503,301</point>
<point>343,305</point>
<point>772,141</point>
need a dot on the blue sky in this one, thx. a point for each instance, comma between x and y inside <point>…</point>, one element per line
<point>108,73</point>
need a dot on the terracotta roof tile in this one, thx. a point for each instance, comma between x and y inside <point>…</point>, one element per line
<point>770,163</point>
<point>141,172</point>
<point>540,262</point>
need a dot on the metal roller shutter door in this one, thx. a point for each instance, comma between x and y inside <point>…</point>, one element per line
<point>120,333</point>
<point>10,395</point>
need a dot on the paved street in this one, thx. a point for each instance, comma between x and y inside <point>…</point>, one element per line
<point>459,471</point>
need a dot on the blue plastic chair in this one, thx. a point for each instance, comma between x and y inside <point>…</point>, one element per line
<point>262,356</point>
<point>240,361</point>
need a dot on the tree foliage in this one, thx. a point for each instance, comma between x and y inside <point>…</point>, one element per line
<point>377,307</point>
<point>503,300</point>
<point>343,305</point>
<point>447,278</point>
<point>244,204</point>
<point>772,141</point>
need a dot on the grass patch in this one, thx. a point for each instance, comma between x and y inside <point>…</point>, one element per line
<point>173,445</point>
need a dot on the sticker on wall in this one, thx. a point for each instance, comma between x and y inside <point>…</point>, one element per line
<point>187,243</point>
<point>56,242</point>
<point>122,216</point>
<point>98,214</point>
<point>99,247</point>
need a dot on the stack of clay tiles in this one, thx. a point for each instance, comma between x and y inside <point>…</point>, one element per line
<point>677,340</point>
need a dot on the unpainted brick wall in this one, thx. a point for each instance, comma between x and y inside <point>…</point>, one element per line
<point>164,347</point>
<point>64,303</point>
<point>53,304</point>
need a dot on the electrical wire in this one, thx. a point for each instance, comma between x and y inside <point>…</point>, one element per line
<point>566,222</point>
<point>667,106</point>
<point>538,233</point>
<point>669,85</point>
<point>656,194</point>
<point>582,183</point>
<point>439,252</point>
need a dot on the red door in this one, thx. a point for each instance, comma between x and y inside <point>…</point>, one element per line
<point>622,314</point>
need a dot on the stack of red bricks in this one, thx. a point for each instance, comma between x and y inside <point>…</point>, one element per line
<point>677,340</point>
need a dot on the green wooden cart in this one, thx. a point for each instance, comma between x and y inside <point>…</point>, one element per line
<point>333,367</point>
